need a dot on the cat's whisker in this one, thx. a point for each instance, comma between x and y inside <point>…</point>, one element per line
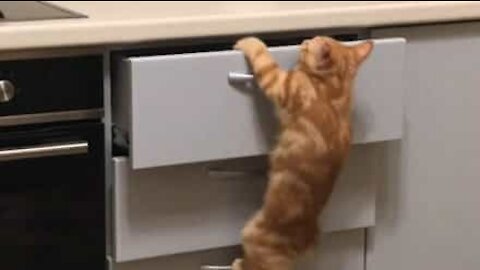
<point>216,267</point>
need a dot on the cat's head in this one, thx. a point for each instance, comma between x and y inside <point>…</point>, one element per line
<point>325,57</point>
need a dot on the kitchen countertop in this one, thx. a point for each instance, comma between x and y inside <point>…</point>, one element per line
<point>116,22</point>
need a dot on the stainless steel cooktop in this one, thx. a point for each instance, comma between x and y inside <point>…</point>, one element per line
<point>34,10</point>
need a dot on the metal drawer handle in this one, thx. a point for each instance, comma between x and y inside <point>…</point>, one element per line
<point>216,267</point>
<point>225,173</point>
<point>241,78</point>
<point>44,150</point>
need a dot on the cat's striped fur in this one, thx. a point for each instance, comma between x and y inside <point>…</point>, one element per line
<point>314,103</point>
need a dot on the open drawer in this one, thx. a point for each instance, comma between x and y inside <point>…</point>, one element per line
<point>181,108</point>
<point>177,209</point>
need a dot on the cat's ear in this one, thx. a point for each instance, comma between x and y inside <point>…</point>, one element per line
<point>363,50</point>
<point>304,44</point>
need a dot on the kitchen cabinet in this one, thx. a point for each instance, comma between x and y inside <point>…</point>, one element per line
<point>184,133</point>
<point>427,209</point>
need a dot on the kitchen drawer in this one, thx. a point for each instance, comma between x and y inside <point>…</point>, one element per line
<point>186,261</point>
<point>336,251</point>
<point>185,208</point>
<point>181,108</point>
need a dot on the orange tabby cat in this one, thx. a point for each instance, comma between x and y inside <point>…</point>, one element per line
<point>314,103</point>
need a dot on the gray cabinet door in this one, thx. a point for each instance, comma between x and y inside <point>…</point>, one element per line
<point>428,210</point>
<point>181,108</point>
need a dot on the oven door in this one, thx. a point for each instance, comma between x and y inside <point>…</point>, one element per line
<point>52,206</point>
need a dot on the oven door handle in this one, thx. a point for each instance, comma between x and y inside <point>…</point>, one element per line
<point>44,150</point>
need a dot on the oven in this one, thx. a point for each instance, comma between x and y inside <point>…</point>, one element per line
<point>52,187</point>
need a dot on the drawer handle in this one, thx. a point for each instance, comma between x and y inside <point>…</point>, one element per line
<point>224,173</point>
<point>216,267</point>
<point>241,78</point>
<point>44,150</point>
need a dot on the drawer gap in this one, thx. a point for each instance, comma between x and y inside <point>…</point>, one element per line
<point>120,141</point>
<point>225,43</point>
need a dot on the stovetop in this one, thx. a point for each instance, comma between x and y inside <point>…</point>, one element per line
<point>33,10</point>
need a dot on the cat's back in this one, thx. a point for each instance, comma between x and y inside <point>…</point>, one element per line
<point>315,132</point>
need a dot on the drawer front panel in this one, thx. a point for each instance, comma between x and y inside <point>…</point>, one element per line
<point>182,109</point>
<point>187,208</point>
<point>336,251</point>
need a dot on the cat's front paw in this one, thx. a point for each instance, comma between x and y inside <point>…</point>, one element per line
<point>249,45</point>
<point>237,264</point>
